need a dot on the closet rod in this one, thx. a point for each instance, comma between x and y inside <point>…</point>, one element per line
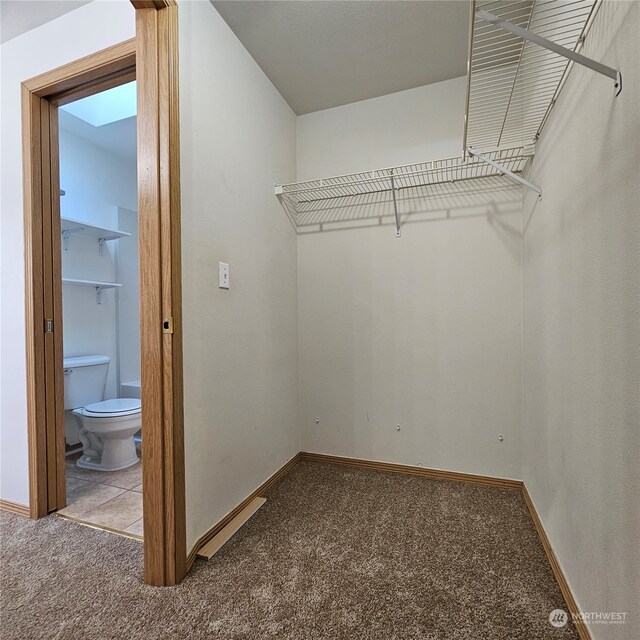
<point>614,74</point>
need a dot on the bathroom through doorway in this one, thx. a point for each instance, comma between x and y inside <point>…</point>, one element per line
<point>101,321</point>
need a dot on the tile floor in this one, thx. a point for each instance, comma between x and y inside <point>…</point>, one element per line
<point>111,499</point>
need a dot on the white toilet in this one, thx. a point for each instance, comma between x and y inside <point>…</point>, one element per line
<point>106,427</point>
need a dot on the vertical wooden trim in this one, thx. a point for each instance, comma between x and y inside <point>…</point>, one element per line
<point>43,273</point>
<point>150,294</point>
<point>47,280</point>
<point>56,273</point>
<point>159,232</point>
<point>34,311</point>
<point>169,128</point>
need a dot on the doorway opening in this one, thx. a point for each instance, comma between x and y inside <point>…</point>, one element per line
<point>101,321</point>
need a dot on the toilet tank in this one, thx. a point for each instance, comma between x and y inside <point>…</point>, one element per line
<point>85,379</point>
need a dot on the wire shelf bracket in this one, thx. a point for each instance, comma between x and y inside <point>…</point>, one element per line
<point>526,34</point>
<point>395,203</point>
<point>514,176</point>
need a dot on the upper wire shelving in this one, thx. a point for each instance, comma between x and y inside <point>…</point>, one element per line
<point>314,203</point>
<point>519,56</point>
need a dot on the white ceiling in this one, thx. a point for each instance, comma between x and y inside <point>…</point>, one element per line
<point>117,138</point>
<point>19,16</point>
<point>323,54</point>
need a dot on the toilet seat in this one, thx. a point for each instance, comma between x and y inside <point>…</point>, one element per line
<point>113,408</point>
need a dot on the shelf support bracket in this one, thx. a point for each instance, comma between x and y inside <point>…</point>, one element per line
<point>98,295</point>
<point>614,74</point>
<point>514,176</point>
<point>66,234</point>
<point>102,242</point>
<point>395,204</point>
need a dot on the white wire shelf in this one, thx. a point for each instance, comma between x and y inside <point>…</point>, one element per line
<point>401,190</point>
<point>513,83</point>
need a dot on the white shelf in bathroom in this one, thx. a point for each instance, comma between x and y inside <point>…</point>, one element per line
<point>90,283</point>
<point>70,227</point>
<point>98,285</point>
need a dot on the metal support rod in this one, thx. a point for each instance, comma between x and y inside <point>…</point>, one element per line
<point>468,98</point>
<point>506,172</point>
<point>614,74</point>
<point>395,204</point>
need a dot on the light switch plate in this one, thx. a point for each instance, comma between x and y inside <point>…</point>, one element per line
<point>223,275</point>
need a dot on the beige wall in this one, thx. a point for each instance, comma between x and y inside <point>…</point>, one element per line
<point>424,331</point>
<point>240,345</point>
<point>400,128</point>
<point>582,327</point>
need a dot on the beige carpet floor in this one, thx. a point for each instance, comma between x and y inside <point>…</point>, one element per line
<point>336,553</point>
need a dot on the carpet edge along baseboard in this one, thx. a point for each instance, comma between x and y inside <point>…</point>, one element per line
<point>435,474</point>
